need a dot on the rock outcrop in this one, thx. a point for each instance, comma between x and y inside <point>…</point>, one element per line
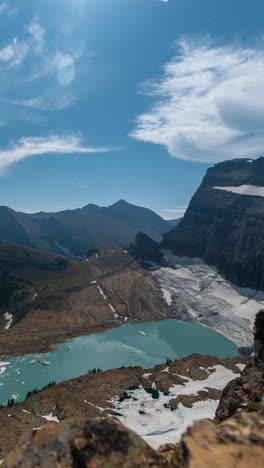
<point>96,443</point>
<point>246,392</point>
<point>235,443</point>
<point>146,249</point>
<point>224,222</point>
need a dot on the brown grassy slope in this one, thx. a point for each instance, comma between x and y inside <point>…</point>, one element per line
<point>58,297</point>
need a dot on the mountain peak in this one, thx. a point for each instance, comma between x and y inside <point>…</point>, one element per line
<point>91,207</point>
<point>121,202</point>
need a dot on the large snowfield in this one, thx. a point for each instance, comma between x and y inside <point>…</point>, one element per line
<point>154,420</point>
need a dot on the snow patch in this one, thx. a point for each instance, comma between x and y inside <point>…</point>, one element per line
<point>253,190</point>
<point>50,417</point>
<point>241,366</point>
<point>167,296</point>
<point>9,318</point>
<point>101,292</point>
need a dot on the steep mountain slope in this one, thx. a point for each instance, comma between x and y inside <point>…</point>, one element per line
<point>224,223</point>
<point>50,298</point>
<point>73,232</point>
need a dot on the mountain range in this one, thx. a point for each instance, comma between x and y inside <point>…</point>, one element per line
<point>73,232</point>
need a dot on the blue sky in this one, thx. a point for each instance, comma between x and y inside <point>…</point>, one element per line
<point>134,99</point>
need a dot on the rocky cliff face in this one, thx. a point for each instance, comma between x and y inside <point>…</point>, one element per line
<point>224,223</point>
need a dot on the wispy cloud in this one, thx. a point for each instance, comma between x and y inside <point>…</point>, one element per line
<point>7,9</point>
<point>14,53</point>
<point>33,146</point>
<point>42,61</point>
<point>208,105</point>
<point>37,32</point>
<point>51,100</point>
<point>180,209</point>
<point>172,213</point>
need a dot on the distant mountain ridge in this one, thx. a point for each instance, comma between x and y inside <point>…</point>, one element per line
<point>224,222</point>
<point>73,232</point>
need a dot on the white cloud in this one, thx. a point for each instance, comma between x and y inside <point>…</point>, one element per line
<point>14,53</point>
<point>52,100</point>
<point>172,213</point>
<point>176,210</point>
<point>38,33</point>
<point>34,146</point>
<point>208,105</point>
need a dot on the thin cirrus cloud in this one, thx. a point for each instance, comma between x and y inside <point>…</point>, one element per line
<point>34,146</point>
<point>37,32</point>
<point>14,53</point>
<point>171,213</point>
<point>34,58</point>
<point>208,105</point>
<point>5,9</point>
<point>179,209</point>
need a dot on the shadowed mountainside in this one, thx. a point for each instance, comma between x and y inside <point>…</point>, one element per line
<point>73,232</point>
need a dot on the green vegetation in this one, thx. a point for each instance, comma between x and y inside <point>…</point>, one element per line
<point>168,361</point>
<point>94,371</point>
<point>36,390</point>
<point>10,403</point>
<point>253,406</point>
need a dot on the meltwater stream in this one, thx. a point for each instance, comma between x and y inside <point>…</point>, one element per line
<point>123,346</point>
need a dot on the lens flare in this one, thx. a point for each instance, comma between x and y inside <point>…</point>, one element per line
<point>66,70</point>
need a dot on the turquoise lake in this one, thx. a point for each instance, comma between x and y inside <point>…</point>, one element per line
<point>114,348</point>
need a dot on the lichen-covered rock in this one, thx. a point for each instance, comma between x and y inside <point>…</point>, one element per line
<point>241,393</point>
<point>95,444</point>
<point>247,391</point>
<point>235,443</point>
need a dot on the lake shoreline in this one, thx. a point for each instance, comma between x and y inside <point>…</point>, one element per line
<point>24,345</point>
<point>144,345</point>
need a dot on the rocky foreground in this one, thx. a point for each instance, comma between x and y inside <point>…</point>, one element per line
<point>89,433</point>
